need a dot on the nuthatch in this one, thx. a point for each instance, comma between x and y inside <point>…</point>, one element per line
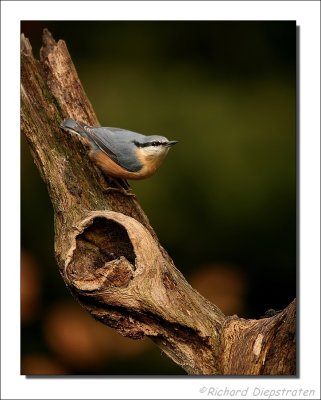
<point>121,153</point>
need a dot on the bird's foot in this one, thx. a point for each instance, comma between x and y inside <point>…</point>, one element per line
<point>122,187</point>
<point>125,192</point>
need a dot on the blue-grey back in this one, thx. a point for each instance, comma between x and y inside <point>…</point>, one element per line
<point>118,144</point>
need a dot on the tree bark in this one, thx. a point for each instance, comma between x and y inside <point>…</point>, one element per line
<point>109,255</point>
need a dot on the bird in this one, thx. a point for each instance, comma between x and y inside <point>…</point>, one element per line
<point>120,153</point>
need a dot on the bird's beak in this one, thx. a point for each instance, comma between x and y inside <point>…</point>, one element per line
<point>171,143</point>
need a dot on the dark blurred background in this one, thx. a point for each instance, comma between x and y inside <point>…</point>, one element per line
<point>224,202</point>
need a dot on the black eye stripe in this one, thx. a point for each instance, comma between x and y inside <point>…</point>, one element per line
<point>155,143</point>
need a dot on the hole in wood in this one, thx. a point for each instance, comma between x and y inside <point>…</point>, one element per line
<point>104,256</point>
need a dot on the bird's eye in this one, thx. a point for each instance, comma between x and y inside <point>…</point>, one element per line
<point>154,143</point>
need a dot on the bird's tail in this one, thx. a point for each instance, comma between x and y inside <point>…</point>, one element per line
<point>70,124</point>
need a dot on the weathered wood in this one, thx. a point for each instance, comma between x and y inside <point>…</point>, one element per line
<point>109,255</point>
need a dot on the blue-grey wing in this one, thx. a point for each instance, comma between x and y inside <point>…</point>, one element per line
<point>117,144</point>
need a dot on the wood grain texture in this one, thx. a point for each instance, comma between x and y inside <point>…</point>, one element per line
<point>109,255</point>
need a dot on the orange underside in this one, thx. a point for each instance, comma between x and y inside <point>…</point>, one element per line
<point>114,170</point>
